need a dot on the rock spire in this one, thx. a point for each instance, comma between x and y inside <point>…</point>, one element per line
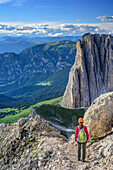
<point>92,73</point>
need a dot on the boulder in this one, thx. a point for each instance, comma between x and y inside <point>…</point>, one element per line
<point>22,121</point>
<point>99,116</point>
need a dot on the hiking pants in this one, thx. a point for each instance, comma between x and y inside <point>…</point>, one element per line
<point>83,150</point>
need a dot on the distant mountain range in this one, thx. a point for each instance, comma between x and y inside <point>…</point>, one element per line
<point>38,73</point>
<point>18,44</point>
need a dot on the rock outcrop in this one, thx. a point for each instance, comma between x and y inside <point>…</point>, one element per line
<point>92,72</point>
<point>21,144</point>
<point>32,144</point>
<point>99,116</point>
<point>100,154</point>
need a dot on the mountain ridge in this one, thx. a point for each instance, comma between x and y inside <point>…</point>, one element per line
<point>36,59</point>
<point>18,44</point>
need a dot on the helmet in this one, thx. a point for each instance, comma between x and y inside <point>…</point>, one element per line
<point>80,120</point>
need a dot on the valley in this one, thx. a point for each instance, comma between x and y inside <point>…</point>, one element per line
<point>63,119</point>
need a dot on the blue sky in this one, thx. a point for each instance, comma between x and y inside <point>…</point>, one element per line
<point>55,17</point>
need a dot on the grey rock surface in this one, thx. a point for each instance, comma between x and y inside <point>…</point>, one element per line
<point>99,116</point>
<point>92,73</point>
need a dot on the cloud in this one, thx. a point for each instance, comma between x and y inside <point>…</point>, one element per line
<point>55,35</point>
<point>53,29</point>
<point>105,18</point>
<point>19,2</point>
<point>14,2</point>
<point>5,1</point>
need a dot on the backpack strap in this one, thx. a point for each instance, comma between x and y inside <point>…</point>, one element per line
<point>79,128</point>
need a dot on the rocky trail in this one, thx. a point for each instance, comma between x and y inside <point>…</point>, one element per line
<point>32,144</point>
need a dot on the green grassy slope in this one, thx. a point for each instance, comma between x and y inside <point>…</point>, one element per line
<point>51,111</point>
<point>25,112</point>
<point>59,115</point>
<point>41,87</point>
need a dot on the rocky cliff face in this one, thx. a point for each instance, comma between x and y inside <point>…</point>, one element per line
<point>92,72</point>
<point>40,58</point>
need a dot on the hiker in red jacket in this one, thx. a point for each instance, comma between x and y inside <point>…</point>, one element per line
<point>81,136</point>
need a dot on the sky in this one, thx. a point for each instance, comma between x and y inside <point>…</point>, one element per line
<point>55,17</point>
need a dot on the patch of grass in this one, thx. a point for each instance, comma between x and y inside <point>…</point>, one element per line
<point>25,129</point>
<point>89,155</point>
<point>44,84</point>
<point>107,159</point>
<point>7,84</point>
<point>5,110</point>
<point>92,141</point>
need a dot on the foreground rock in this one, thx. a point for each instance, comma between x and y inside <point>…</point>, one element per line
<point>31,144</point>
<point>100,154</point>
<point>92,72</point>
<point>21,143</point>
<point>99,117</point>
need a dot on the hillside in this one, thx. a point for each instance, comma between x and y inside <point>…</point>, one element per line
<point>49,110</point>
<point>6,99</point>
<point>22,111</point>
<point>18,44</point>
<point>40,58</point>
<point>39,87</point>
<point>38,73</point>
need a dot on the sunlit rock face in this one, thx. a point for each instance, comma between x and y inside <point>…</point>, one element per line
<point>92,73</point>
<point>99,116</point>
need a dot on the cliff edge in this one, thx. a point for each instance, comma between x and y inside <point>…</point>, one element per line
<point>92,73</point>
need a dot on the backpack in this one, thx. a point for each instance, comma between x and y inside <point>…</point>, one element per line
<point>81,137</point>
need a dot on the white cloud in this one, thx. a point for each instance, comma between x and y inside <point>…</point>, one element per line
<point>18,2</point>
<point>14,2</point>
<point>54,29</point>
<point>5,1</point>
<point>55,35</point>
<point>105,18</point>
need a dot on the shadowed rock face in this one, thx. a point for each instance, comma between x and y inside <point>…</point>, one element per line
<point>92,73</point>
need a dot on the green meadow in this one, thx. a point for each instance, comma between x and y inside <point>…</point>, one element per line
<point>49,110</point>
<point>25,112</point>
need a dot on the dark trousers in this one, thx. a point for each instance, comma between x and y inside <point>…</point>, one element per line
<point>79,150</point>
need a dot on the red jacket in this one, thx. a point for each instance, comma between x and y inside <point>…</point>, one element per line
<point>77,131</point>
